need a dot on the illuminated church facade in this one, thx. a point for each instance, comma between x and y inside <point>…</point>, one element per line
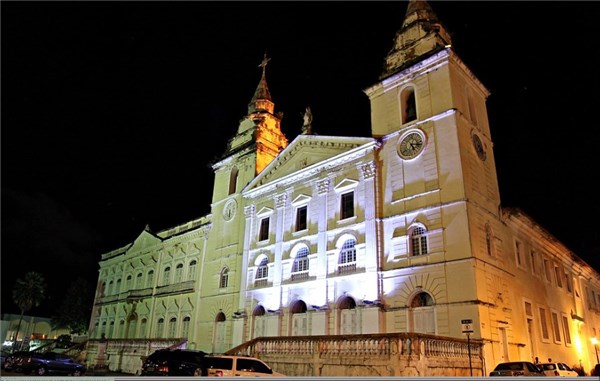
<point>402,231</point>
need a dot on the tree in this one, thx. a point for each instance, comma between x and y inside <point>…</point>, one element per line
<point>28,292</point>
<point>75,310</point>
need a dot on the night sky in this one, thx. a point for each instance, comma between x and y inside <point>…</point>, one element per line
<point>113,111</point>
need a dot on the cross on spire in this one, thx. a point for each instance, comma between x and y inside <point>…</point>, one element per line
<point>264,63</point>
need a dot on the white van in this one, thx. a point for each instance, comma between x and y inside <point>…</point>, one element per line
<point>238,366</point>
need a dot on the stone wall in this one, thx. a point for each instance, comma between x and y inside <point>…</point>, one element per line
<point>124,355</point>
<point>383,355</point>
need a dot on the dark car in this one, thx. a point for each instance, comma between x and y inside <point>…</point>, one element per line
<point>12,359</point>
<point>517,369</point>
<point>176,362</point>
<point>50,363</point>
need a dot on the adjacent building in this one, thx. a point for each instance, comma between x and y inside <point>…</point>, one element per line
<point>402,231</point>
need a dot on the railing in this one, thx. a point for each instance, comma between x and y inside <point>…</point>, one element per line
<point>173,288</point>
<point>139,293</point>
<point>361,345</point>
<point>261,282</point>
<point>300,276</point>
<point>347,268</point>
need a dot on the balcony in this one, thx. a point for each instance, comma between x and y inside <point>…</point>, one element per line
<point>346,268</point>
<point>177,288</point>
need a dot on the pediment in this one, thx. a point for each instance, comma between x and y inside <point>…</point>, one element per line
<point>145,240</point>
<point>301,200</point>
<point>308,152</point>
<point>264,211</point>
<point>345,184</point>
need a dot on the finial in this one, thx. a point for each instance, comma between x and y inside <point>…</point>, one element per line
<point>264,63</point>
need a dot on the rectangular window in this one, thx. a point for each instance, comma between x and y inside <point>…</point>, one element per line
<point>544,324</point>
<point>534,269</point>
<point>556,327</point>
<point>558,276</point>
<point>264,229</point>
<point>301,218</point>
<point>548,270</point>
<point>518,254</point>
<point>347,206</point>
<point>567,331</point>
<point>568,281</point>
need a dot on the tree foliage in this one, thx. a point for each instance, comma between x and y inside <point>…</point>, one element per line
<point>75,310</point>
<point>28,293</point>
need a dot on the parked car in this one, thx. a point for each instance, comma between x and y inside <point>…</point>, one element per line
<point>11,360</point>
<point>517,368</point>
<point>50,363</point>
<point>238,366</point>
<point>558,369</point>
<point>178,362</point>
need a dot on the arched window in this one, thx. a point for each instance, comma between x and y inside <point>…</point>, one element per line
<point>160,326</point>
<point>224,278</point>
<point>111,330</point>
<point>422,313</point>
<point>132,326</point>
<point>179,273</point>
<point>263,270</point>
<point>172,327</point>
<point>121,333</point>
<point>166,275</point>
<point>144,327</point>
<point>138,281</point>
<point>418,241</point>
<point>128,283</point>
<point>233,175</point>
<point>299,318</point>
<point>185,327</point>
<point>118,286</point>
<point>422,299</point>
<point>150,279</point>
<point>192,270</point>
<point>348,252</point>
<point>408,105</point>
<point>111,289</point>
<point>301,261</point>
<point>259,311</point>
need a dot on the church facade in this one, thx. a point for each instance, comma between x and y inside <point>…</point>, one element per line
<point>402,231</point>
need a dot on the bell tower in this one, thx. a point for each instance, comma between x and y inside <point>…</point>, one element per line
<point>257,142</point>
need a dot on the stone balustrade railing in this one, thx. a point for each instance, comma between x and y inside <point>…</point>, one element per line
<point>361,345</point>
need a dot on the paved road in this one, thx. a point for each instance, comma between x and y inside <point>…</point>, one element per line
<point>8,373</point>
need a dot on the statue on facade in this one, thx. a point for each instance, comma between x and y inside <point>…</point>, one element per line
<point>307,125</point>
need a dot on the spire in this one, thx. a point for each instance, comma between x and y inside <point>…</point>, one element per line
<point>422,8</point>
<point>262,92</point>
<point>420,36</point>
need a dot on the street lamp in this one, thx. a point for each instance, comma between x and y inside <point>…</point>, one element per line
<point>595,342</point>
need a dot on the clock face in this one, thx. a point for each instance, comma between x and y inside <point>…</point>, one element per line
<point>411,145</point>
<point>479,148</point>
<point>229,210</point>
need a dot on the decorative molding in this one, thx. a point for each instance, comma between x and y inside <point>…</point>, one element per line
<point>323,186</point>
<point>368,170</point>
<point>281,200</point>
<point>249,211</point>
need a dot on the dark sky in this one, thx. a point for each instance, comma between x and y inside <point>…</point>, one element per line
<point>113,111</point>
